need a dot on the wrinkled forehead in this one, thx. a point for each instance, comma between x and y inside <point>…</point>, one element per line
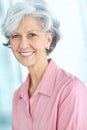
<point>29,23</point>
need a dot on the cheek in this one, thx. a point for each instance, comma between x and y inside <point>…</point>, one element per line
<point>40,44</point>
<point>14,48</point>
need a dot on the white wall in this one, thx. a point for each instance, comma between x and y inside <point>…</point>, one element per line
<point>71,51</point>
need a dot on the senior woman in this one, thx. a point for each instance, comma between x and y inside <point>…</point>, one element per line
<point>50,98</point>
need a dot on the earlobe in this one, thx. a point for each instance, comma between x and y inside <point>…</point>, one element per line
<point>48,48</point>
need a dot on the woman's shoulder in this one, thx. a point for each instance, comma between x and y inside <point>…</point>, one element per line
<point>19,92</point>
<point>70,85</point>
<point>67,81</point>
<point>64,79</point>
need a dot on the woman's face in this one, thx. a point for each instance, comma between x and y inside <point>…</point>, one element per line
<point>29,42</point>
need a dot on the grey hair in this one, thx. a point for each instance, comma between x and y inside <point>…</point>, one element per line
<point>35,8</point>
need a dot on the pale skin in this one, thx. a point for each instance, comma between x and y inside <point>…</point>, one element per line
<point>29,44</point>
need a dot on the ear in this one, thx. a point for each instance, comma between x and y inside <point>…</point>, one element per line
<point>49,39</point>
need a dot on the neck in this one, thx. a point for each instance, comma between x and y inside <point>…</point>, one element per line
<point>36,73</point>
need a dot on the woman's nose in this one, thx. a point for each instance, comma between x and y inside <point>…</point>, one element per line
<point>24,43</point>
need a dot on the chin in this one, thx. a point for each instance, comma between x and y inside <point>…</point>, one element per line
<point>28,64</point>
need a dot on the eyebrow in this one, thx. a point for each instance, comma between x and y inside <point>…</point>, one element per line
<point>30,31</point>
<point>34,31</point>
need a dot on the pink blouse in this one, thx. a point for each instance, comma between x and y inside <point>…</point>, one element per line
<point>59,103</point>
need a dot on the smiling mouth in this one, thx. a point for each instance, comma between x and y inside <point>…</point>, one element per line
<point>26,53</point>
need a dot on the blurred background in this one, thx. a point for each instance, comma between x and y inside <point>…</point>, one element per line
<point>70,53</point>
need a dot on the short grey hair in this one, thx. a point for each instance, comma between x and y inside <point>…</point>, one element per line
<point>36,8</point>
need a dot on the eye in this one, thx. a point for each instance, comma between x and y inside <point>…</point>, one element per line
<point>14,36</point>
<point>31,35</point>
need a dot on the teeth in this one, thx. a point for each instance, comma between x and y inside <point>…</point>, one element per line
<point>26,53</point>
